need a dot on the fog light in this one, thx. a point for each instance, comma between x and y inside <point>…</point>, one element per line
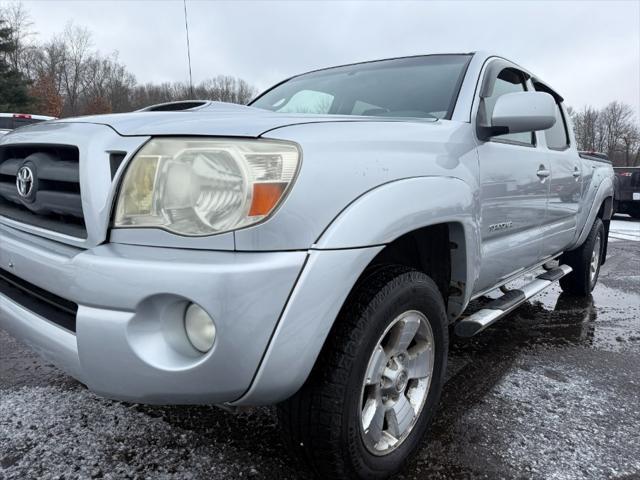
<point>200,328</point>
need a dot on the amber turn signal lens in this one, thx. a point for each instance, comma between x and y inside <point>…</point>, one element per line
<point>265,197</point>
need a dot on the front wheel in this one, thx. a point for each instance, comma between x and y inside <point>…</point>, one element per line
<point>585,262</point>
<point>376,385</point>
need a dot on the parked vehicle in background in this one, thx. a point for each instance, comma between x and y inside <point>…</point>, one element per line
<point>313,250</point>
<point>11,121</point>
<point>627,193</point>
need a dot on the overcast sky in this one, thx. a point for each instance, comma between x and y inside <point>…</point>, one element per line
<point>588,50</point>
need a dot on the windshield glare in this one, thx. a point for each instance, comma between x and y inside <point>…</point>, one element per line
<point>419,87</point>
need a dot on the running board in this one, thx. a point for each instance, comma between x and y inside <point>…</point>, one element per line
<point>500,307</point>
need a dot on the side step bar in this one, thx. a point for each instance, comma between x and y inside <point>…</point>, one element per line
<point>500,307</point>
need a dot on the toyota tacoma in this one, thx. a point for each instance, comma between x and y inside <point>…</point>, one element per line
<point>313,250</point>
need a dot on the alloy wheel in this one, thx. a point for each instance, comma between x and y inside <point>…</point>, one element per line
<point>397,381</point>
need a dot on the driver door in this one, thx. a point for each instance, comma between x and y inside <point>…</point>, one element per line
<point>513,192</point>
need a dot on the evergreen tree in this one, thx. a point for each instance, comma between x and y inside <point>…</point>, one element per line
<point>14,96</point>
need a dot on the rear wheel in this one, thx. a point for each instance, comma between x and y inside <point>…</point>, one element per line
<point>585,262</point>
<point>375,387</point>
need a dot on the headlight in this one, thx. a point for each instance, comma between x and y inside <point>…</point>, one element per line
<point>196,186</point>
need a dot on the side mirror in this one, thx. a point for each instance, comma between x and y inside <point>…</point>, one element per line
<point>522,112</point>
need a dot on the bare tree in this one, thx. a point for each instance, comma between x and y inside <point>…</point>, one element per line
<point>586,128</point>
<point>108,84</point>
<point>45,65</point>
<point>222,88</point>
<point>630,141</point>
<point>77,44</point>
<point>612,130</point>
<point>616,121</point>
<point>17,18</point>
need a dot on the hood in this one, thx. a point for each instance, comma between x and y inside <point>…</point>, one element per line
<point>216,118</point>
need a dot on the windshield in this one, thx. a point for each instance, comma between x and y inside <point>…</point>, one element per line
<point>422,87</point>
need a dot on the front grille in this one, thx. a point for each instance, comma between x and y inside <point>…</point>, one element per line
<point>53,202</point>
<point>49,306</point>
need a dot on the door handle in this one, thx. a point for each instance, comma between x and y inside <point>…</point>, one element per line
<point>542,172</point>
<point>576,172</point>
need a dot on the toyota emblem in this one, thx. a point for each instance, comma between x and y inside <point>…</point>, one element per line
<point>24,182</point>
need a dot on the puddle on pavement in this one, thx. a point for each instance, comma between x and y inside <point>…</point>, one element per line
<point>607,320</point>
<point>545,341</point>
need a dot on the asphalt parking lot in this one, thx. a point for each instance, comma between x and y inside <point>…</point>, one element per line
<point>552,392</point>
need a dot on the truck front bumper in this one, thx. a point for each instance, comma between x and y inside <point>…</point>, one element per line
<point>129,341</point>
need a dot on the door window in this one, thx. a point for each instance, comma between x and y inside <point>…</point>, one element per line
<point>508,81</point>
<point>557,136</point>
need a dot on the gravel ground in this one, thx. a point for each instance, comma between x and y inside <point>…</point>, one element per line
<point>552,392</point>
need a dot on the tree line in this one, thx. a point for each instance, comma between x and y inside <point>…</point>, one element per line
<point>65,76</point>
<point>612,129</point>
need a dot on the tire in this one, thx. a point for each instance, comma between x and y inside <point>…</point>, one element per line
<point>323,422</point>
<point>585,262</point>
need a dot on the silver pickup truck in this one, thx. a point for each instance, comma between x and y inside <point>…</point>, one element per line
<point>313,250</point>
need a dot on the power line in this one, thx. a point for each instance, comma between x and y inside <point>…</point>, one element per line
<point>186,27</point>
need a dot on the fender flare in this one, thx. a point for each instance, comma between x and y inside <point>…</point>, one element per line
<point>339,257</point>
<point>405,205</point>
<point>605,190</point>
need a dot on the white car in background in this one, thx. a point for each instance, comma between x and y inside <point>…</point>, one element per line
<point>11,121</point>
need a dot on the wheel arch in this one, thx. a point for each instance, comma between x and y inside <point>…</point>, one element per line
<point>601,206</point>
<point>605,213</point>
<point>439,250</point>
<point>418,207</point>
<point>438,210</point>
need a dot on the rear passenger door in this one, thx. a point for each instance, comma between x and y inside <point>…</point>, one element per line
<point>565,181</point>
<point>513,189</point>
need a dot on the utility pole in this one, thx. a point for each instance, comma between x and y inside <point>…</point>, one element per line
<point>186,27</point>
